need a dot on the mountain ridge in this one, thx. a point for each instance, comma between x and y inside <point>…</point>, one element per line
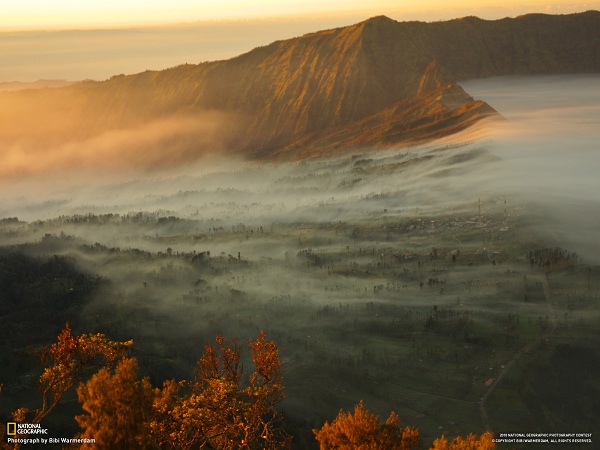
<point>349,82</point>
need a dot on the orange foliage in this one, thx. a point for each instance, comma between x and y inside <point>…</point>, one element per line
<point>361,431</point>
<point>118,409</point>
<point>216,409</point>
<point>471,442</point>
<point>220,408</point>
<point>70,359</point>
<point>67,362</point>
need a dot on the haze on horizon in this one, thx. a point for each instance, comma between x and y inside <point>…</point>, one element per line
<point>68,14</point>
<point>95,40</point>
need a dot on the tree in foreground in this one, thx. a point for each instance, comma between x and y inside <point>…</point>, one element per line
<point>221,407</point>
<point>361,430</point>
<point>71,359</point>
<point>67,362</point>
<point>471,442</point>
<point>118,408</point>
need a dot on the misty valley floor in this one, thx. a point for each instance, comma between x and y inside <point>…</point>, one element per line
<point>455,283</point>
<point>406,278</point>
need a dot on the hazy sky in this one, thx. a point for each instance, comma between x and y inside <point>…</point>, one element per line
<point>27,14</point>
<point>95,39</point>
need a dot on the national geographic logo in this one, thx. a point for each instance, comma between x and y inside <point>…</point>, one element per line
<point>34,434</point>
<point>13,429</point>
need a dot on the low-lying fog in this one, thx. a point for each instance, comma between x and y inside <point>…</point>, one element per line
<point>550,148</point>
<point>545,155</point>
<point>348,262</point>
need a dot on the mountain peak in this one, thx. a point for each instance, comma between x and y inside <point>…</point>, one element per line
<point>373,83</point>
<point>379,24</point>
<point>380,19</point>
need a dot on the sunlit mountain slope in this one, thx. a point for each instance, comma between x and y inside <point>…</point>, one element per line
<point>376,83</point>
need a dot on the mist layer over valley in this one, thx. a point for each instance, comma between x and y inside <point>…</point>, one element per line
<point>440,281</point>
<point>545,153</point>
<point>550,145</point>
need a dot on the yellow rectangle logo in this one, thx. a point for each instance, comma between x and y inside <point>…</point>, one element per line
<point>11,428</point>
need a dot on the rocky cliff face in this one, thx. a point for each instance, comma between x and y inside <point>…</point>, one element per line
<point>376,83</point>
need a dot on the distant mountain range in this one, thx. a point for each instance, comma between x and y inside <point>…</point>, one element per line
<point>376,83</point>
<point>19,85</point>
